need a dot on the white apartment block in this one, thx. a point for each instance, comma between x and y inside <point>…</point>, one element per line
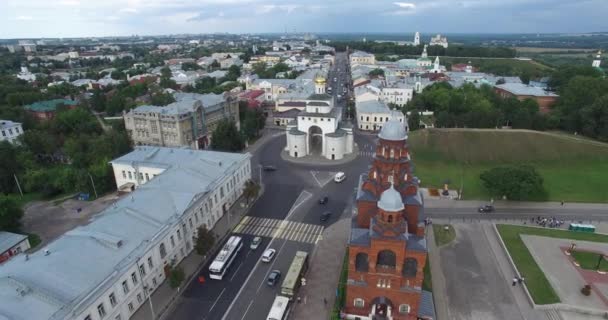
<point>360,57</point>
<point>372,115</point>
<point>108,268</point>
<point>10,130</point>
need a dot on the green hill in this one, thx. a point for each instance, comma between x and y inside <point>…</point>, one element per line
<point>574,169</point>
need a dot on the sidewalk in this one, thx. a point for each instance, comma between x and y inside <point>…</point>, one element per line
<point>324,272</point>
<point>446,203</point>
<point>164,297</point>
<point>439,285</point>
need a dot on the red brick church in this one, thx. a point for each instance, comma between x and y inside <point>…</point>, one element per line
<point>387,248</point>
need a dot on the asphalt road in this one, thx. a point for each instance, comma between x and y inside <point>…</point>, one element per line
<point>292,192</point>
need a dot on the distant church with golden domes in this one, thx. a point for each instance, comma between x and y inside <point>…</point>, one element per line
<point>318,128</point>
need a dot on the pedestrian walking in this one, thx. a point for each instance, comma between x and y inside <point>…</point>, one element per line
<point>562,203</point>
<point>514,281</point>
<point>299,299</point>
<point>520,280</point>
<point>325,301</point>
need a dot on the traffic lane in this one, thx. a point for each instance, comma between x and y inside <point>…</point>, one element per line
<point>573,215</point>
<point>212,297</point>
<point>256,297</point>
<point>339,195</point>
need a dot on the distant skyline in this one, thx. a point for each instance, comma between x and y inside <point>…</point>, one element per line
<point>84,18</point>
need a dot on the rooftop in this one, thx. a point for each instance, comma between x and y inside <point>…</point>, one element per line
<point>49,105</point>
<point>520,89</point>
<point>5,124</point>
<point>64,282</point>
<point>209,100</point>
<point>393,130</point>
<point>9,240</point>
<point>176,108</point>
<point>372,106</point>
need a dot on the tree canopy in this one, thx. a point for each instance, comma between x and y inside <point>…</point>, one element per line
<point>226,137</point>
<point>514,182</point>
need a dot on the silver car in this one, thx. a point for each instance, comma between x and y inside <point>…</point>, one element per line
<point>255,243</point>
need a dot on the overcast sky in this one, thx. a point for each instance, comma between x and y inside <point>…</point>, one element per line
<point>71,18</point>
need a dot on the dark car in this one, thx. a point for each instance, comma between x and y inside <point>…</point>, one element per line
<point>325,216</point>
<point>273,277</point>
<point>486,209</point>
<point>323,200</point>
<point>270,168</point>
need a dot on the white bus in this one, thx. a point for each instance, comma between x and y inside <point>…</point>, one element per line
<point>224,259</point>
<point>279,309</point>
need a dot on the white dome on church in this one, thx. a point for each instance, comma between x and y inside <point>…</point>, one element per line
<point>390,200</point>
<point>393,130</point>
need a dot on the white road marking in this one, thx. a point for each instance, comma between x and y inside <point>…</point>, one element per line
<point>315,176</point>
<point>249,306</point>
<point>218,299</point>
<point>237,270</point>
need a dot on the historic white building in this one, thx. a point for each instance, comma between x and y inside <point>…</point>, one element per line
<point>10,130</point>
<point>598,60</point>
<point>373,114</point>
<point>318,129</point>
<point>108,268</point>
<point>438,40</point>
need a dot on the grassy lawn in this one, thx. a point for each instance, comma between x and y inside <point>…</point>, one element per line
<point>516,65</point>
<point>573,170</point>
<point>588,260</point>
<point>427,283</point>
<point>340,299</point>
<point>443,236</point>
<point>537,283</point>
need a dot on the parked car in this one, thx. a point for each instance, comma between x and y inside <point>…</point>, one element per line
<point>270,168</point>
<point>325,216</point>
<point>255,243</point>
<point>486,209</point>
<point>268,255</point>
<point>273,277</point>
<point>323,200</point>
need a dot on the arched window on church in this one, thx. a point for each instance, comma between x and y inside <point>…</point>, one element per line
<point>392,153</point>
<point>390,218</point>
<point>375,174</point>
<point>383,151</point>
<point>405,177</point>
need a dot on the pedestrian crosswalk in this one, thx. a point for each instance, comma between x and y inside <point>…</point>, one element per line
<point>282,229</point>
<point>368,154</point>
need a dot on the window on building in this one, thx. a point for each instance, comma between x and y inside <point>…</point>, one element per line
<point>101,310</point>
<point>124,174</point>
<point>190,223</point>
<point>112,298</point>
<point>88,317</point>
<point>142,270</point>
<point>404,308</point>
<point>125,287</point>
<point>130,176</point>
<point>139,299</point>
<point>367,119</point>
<point>163,251</point>
<point>392,153</point>
<point>4,133</point>
<point>172,241</point>
<point>375,119</point>
<point>215,197</point>
<point>134,278</point>
<point>154,281</point>
<point>147,177</point>
<point>390,218</point>
<point>150,264</point>
<point>141,176</point>
<point>221,192</point>
<point>10,132</point>
<point>359,303</point>
<point>179,235</point>
<point>131,306</point>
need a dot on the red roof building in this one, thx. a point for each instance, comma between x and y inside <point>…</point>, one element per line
<point>254,98</point>
<point>387,249</point>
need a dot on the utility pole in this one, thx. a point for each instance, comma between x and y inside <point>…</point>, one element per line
<point>18,185</point>
<point>93,184</point>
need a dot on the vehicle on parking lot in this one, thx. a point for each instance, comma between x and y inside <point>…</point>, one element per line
<point>270,168</point>
<point>255,243</point>
<point>486,209</point>
<point>339,177</point>
<point>323,200</point>
<point>268,255</point>
<point>325,216</point>
<point>273,277</point>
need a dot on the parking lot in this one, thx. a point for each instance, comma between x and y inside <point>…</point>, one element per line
<point>50,219</point>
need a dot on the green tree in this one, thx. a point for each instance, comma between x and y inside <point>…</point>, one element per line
<point>252,122</point>
<point>413,121</point>
<point>39,143</point>
<point>251,190</point>
<point>176,277</point>
<point>98,100</point>
<point>233,73</point>
<point>118,75</point>
<point>188,66</point>
<point>204,241</point>
<point>226,137</point>
<point>376,73</point>
<point>161,99</point>
<point>595,119</point>
<point>10,214</point>
<point>514,182</point>
<point>10,166</point>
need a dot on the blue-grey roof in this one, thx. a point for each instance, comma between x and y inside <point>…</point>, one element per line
<point>416,243</point>
<point>86,261</point>
<point>361,54</point>
<point>390,200</point>
<point>176,108</point>
<point>521,89</point>
<point>372,106</point>
<point>9,240</point>
<point>393,130</point>
<point>426,309</point>
<point>5,124</point>
<point>359,236</point>
<point>210,101</point>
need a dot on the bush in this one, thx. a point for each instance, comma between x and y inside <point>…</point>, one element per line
<point>514,182</point>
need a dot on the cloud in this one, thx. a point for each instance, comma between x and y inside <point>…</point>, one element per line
<point>405,5</point>
<point>24,18</point>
